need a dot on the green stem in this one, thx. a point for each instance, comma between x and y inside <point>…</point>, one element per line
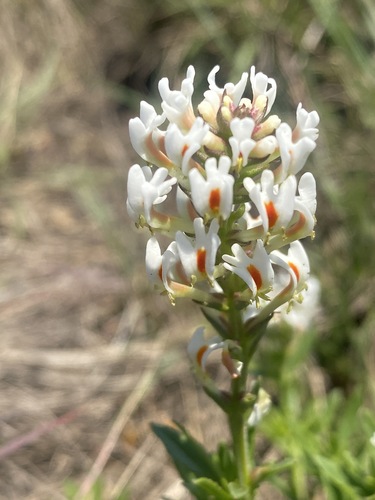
<point>238,410</point>
<point>238,428</point>
<point>237,419</point>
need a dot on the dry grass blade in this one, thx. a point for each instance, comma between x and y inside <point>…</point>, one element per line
<point>133,465</point>
<point>67,359</point>
<point>129,406</point>
<point>28,438</point>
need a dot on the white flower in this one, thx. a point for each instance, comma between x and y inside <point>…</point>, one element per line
<point>256,270</point>
<point>233,91</point>
<point>198,256</point>
<point>161,268</point>
<point>241,141</point>
<point>261,408</point>
<point>259,84</point>
<point>297,261</point>
<point>301,314</point>
<point>199,348</point>
<point>213,196</point>
<point>275,204</point>
<point>166,272</point>
<point>146,138</point>
<point>372,439</point>
<point>290,274</point>
<point>306,124</point>
<point>153,261</point>
<point>145,190</point>
<point>303,220</point>
<point>180,147</point>
<point>293,154</point>
<point>177,103</point>
<point>307,192</point>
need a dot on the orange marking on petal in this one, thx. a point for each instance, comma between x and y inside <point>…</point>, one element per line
<point>156,153</point>
<point>271,213</point>
<point>294,269</point>
<point>214,200</point>
<point>160,273</point>
<point>201,260</point>
<point>255,274</point>
<point>184,149</point>
<point>229,363</point>
<point>200,354</point>
<point>297,226</point>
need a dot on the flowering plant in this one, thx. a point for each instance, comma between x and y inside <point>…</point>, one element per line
<point>221,183</point>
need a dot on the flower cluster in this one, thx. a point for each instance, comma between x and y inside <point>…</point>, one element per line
<point>220,181</point>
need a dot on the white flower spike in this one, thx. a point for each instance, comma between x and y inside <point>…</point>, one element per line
<point>236,171</point>
<point>223,191</point>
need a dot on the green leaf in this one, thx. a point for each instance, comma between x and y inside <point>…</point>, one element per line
<point>333,474</point>
<point>357,475</point>
<point>212,489</point>
<point>225,461</point>
<point>189,456</point>
<point>267,470</point>
<point>238,492</point>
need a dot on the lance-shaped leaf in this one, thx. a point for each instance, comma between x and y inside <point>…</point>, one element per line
<point>188,455</point>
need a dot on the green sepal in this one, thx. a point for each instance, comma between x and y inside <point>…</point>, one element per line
<point>190,458</point>
<point>236,214</point>
<point>218,322</point>
<point>254,333</point>
<point>221,398</point>
<point>257,168</point>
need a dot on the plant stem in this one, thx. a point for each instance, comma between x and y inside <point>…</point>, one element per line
<point>237,419</point>
<point>240,447</point>
<point>238,411</point>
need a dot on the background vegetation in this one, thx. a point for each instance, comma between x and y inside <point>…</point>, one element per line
<point>83,363</point>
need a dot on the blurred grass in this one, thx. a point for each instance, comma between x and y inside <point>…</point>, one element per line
<point>74,71</point>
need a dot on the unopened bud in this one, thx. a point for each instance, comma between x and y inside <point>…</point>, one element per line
<point>208,113</point>
<point>268,127</point>
<point>259,108</point>
<point>264,147</point>
<point>214,143</point>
